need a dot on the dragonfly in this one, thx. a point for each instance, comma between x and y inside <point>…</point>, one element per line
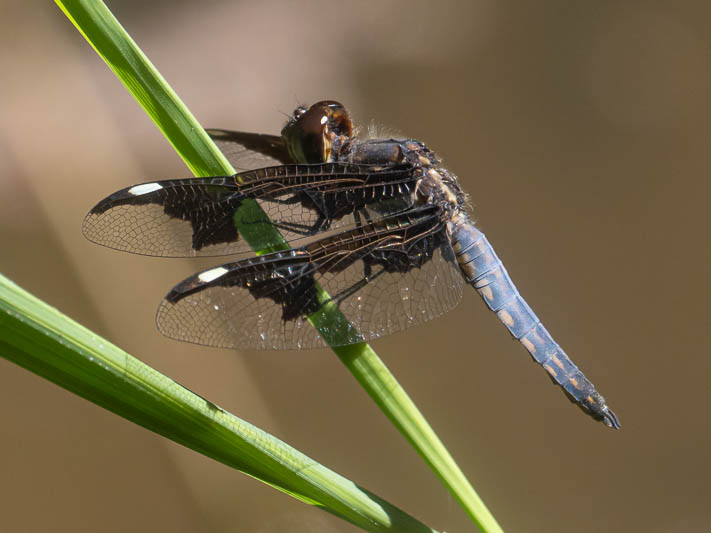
<point>371,232</point>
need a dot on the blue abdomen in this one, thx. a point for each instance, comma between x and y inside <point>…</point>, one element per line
<point>484,271</point>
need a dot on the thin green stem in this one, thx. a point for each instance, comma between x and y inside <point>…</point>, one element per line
<point>381,385</point>
<point>153,93</point>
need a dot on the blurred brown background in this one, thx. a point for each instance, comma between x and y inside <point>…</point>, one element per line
<point>581,130</point>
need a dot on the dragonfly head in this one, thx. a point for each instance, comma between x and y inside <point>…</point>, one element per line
<point>310,134</point>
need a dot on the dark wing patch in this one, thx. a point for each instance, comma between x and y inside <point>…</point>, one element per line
<point>383,277</point>
<point>196,216</point>
<point>170,218</point>
<point>247,151</point>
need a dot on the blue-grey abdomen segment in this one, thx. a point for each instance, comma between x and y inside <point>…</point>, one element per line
<point>485,272</point>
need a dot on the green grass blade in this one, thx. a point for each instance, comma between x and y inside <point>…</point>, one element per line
<point>122,55</point>
<point>46,342</point>
<point>378,381</point>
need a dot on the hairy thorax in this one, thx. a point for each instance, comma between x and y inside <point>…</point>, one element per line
<point>435,185</point>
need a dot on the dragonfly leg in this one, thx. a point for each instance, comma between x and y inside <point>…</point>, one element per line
<point>305,230</point>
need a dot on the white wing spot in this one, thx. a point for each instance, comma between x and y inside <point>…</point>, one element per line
<point>212,274</point>
<point>138,190</point>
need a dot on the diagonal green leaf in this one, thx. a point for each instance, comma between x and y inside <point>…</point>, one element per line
<point>46,342</point>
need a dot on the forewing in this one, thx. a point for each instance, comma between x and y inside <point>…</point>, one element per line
<point>247,151</point>
<point>197,216</point>
<point>173,218</point>
<point>383,278</point>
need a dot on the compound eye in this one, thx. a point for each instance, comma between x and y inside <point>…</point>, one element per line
<point>335,117</point>
<point>310,134</point>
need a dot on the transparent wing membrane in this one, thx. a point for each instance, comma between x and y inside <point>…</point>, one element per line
<point>384,277</point>
<point>196,216</point>
<point>247,151</point>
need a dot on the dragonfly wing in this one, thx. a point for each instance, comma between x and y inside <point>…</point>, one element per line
<point>172,218</point>
<point>381,278</point>
<point>198,216</point>
<point>247,151</point>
